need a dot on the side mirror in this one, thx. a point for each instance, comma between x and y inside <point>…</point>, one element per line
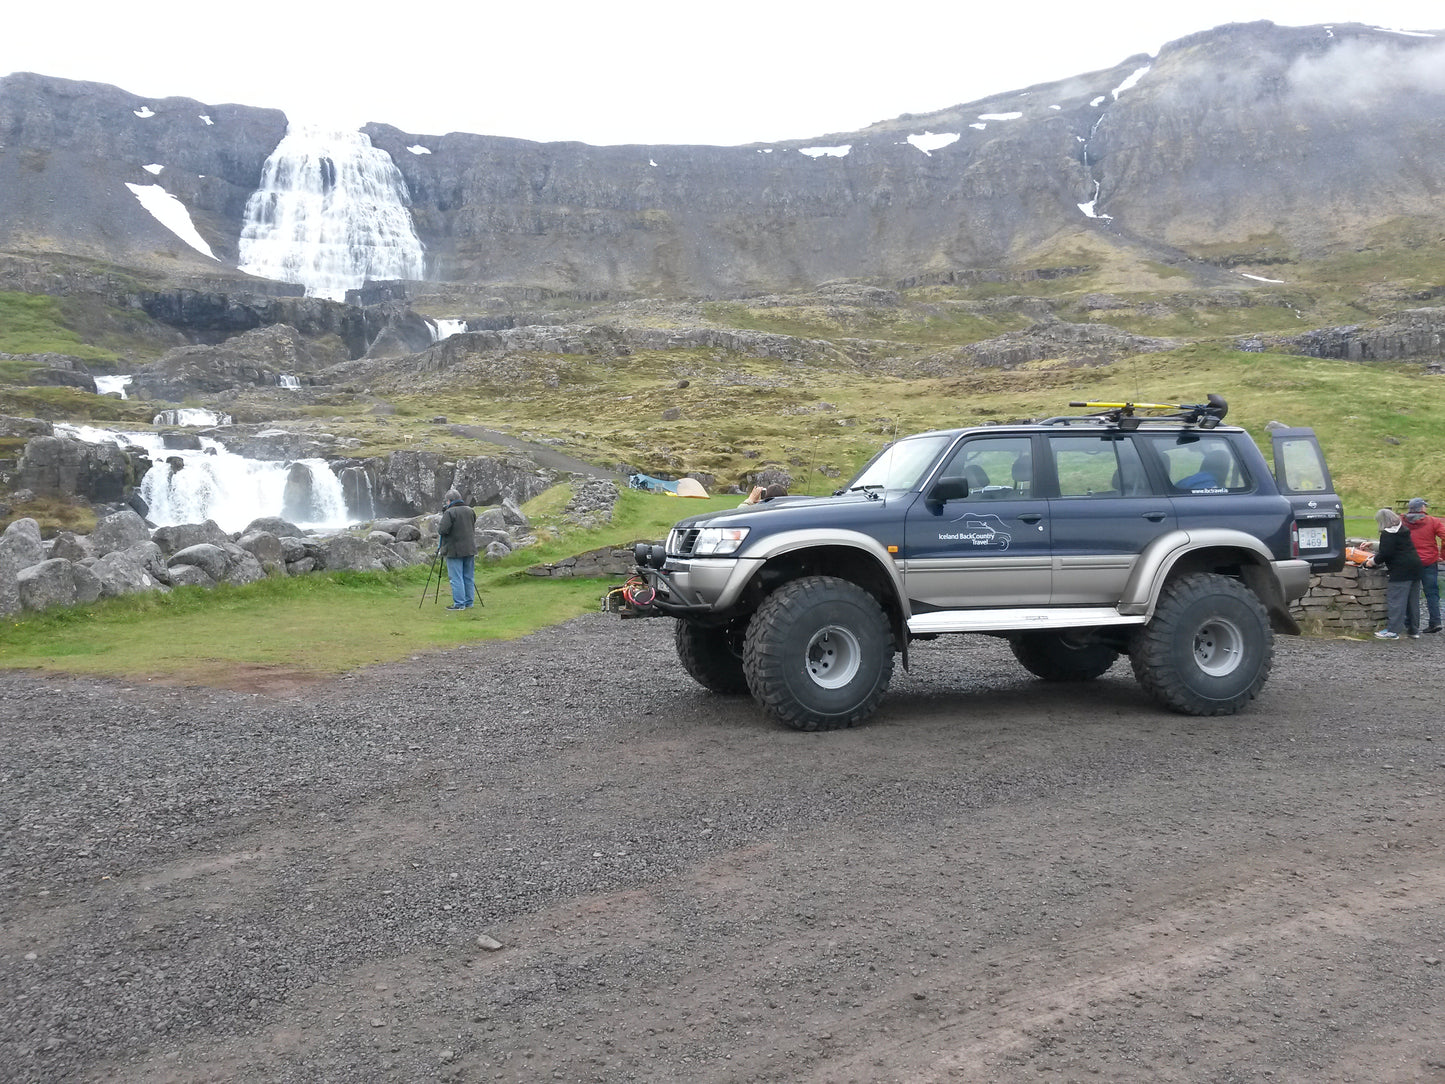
<point>948,489</point>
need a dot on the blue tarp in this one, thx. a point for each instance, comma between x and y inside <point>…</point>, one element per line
<point>657,485</point>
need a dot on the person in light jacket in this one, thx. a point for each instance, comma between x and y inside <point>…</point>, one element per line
<point>457,542</point>
<point>1397,552</point>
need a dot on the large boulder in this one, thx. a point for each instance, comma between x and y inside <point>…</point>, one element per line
<point>118,531</point>
<point>50,583</point>
<point>241,565</point>
<point>71,546</point>
<point>512,513</point>
<point>344,551</point>
<point>22,541</point>
<point>188,576</point>
<point>208,557</point>
<point>87,583</point>
<point>61,467</point>
<point>272,525</point>
<point>410,553</point>
<point>266,548</point>
<point>12,426</point>
<point>179,536</point>
<point>491,519</point>
<point>9,582</point>
<point>126,572</point>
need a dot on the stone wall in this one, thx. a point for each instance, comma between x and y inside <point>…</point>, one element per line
<point>607,561</point>
<point>1351,600</point>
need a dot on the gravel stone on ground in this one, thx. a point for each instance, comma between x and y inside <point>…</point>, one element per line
<point>558,858</point>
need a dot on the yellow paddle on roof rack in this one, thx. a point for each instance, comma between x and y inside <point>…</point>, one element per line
<point>1206,415</point>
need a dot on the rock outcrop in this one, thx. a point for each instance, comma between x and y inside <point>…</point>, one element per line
<point>255,358</point>
<point>61,467</point>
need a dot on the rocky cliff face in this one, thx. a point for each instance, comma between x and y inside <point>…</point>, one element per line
<point>1243,143</point>
<point>70,148</point>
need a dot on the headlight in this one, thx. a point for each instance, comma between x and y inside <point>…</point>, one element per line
<point>717,541</point>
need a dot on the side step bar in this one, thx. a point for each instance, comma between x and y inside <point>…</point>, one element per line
<point>1020,619</point>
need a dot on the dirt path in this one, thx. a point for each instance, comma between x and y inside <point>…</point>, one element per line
<point>539,453</point>
<point>997,880</point>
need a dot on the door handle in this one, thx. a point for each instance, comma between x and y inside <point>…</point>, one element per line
<point>1155,517</point>
<point>1031,517</point>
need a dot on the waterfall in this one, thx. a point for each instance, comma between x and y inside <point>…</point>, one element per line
<point>331,213</point>
<point>190,416</point>
<point>106,384</point>
<point>187,486</point>
<point>445,329</point>
<point>286,380</point>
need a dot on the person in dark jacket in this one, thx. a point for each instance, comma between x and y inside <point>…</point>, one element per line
<point>1397,552</point>
<point>1428,532</point>
<point>457,542</point>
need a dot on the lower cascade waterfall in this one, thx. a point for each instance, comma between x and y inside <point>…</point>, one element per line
<point>191,416</point>
<point>331,214</point>
<point>192,486</point>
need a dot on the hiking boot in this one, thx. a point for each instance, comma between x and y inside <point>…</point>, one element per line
<point>454,606</point>
<point>1435,628</point>
<point>1383,634</point>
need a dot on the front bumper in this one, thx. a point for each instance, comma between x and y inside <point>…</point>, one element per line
<point>700,585</point>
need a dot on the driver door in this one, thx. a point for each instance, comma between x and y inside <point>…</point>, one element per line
<point>978,537</point>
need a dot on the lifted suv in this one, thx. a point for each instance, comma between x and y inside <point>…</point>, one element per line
<point>1078,539</point>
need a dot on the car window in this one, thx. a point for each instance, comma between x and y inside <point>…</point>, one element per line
<point>996,468</point>
<point>1303,471</point>
<point>1201,464</point>
<point>1097,466</point>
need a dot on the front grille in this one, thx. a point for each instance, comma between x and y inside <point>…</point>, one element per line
<point>681,540</point>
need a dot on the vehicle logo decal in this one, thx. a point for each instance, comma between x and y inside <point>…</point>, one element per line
<point>978,531</point>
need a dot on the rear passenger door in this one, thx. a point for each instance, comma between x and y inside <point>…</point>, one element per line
<point>1215,482</point>
<point>1302,476</point>
<point>1104,514</point>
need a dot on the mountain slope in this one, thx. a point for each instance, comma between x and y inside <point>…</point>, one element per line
<point>1244,144</point>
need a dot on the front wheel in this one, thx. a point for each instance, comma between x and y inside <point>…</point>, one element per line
<point>819,654</point>
<point>713,655</point>
<point>1208,648</point>
<point>1060,656</point>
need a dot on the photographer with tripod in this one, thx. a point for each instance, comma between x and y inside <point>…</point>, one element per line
<point>457,542</point>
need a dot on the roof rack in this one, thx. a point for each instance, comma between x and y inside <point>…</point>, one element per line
<point>1205,415</point>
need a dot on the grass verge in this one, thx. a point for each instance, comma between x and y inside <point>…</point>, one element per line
<point>307,627</point>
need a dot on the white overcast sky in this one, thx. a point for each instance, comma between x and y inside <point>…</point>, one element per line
<point>621,71</point>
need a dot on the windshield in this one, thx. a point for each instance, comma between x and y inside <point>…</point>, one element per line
<point>902,463</point>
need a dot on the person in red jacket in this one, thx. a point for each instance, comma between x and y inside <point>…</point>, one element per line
<point>1427,533</point>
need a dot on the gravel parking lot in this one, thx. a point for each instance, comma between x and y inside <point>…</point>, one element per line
<point>995,879</point>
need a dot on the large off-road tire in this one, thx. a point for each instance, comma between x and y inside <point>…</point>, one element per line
<point>1062,656</point>
<point>819,654</point>
<point>713,655</point>
<point>1208,648</point>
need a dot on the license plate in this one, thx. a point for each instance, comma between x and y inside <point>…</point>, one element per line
<point>1314,538</point>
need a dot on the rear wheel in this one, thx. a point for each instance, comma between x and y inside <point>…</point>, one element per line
<point>1061,656</point>
<point>819,654</point>
<point>1208,648</point>
<point>713,655</point>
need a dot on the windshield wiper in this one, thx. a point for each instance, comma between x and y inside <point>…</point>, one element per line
<point>873,491</point>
